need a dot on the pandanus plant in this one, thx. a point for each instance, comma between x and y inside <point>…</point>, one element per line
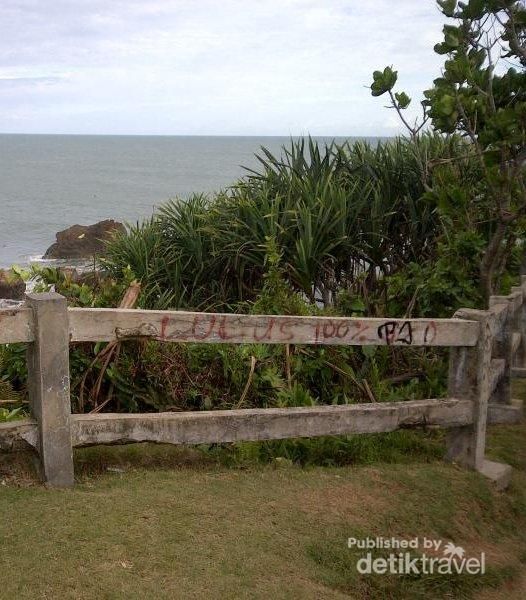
<point>342,217</point>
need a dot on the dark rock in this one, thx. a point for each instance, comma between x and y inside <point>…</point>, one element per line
<point>12,286</point>
<point>83,241</point>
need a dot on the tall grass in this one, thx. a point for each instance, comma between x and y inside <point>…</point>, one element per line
<point>342,218</point>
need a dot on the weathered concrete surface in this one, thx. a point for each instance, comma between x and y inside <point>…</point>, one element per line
<point>521,326</point>
<point>16,325</point>
<point>11,304</point>
<point>498,368</point>
<point>109,324</point>
<point>140,427</point>
<point>474,374</point>
<point>499,473</point>
<point>16,434</point>
<point>470,378</point>
<point>503,344</point>
<point>516,341</point>
<point>266,424</point>
<point>505,414</point>
<point>48,384</point>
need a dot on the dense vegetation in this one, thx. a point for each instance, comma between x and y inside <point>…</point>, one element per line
<point>341,224</point>
<point>481,94</point>
<point>349,230</point>
<point>406,227</point>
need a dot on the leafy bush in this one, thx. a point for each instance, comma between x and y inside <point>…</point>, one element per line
<point>481,96</point>
<point>338,218</point>
<point>352,230</point>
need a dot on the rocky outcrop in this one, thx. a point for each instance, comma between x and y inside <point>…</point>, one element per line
<point>12,286</point>
<point>83,241</point>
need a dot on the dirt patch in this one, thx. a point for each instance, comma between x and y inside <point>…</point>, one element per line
<point>347,500</point>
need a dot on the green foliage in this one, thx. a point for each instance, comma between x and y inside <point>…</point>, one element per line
<point>331,219</point>
<point>13,374</point>
<point>276,296</point>
<point>352,230</point>
<point>7,415</point>
<point>383,81</point>
<point>357,230</point>
<point>484,101</point>
<point>87,290</point>
<point>438,289</point>
<point>398,446</point>
<point>402,99</point>
<point>398,228</point>
<point>13,362</point>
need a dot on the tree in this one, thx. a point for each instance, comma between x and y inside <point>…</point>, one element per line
<point>481,94</point>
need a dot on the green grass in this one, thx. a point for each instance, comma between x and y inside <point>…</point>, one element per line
<point>150,521</point>
<point>166,523</point>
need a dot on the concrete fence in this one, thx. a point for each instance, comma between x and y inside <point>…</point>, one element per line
<point>487,348</point>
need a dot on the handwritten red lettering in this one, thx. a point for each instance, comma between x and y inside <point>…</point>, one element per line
<point>284,329</point>
<point>267,333</point>
<point>342,329</point>
<point>430,333</point>
<point>329,329</point>
<point>205,334</point>
<point>361,329</point>
<point>164,324</point>
<point>222,331</point>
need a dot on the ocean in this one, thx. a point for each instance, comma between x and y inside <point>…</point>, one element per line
<point>49,182</point>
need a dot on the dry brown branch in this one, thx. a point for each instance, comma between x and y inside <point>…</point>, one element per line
<point>287,365</point>
<point>249,381</point>
<point>108,354</point>
<point>368,391</point>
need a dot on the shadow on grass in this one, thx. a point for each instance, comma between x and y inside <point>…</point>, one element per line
<point>396,447</point>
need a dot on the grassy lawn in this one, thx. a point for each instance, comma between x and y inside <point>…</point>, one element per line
<point>160,522</point>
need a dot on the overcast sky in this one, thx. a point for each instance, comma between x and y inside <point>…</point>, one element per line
<point>221,67</point>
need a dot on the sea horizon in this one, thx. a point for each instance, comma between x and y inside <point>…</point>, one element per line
<point>204,135</point>
<point>50,181</point>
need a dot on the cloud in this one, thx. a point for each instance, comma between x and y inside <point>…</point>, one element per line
<point>25,81</point>
<point>208,67</point>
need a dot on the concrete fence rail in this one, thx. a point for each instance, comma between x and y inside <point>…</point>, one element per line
<point>487,348</point>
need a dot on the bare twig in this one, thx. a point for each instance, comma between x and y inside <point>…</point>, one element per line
<point>368,391</point>
<point>249,381</point>
<point>287,365</point>
<point>108,354</point>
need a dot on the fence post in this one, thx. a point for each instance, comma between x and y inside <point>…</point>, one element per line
<point>518,355</point>
<point>502,348</point>
<point>521,325</point>
<point>469,378</point>
<point>48,386</point>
